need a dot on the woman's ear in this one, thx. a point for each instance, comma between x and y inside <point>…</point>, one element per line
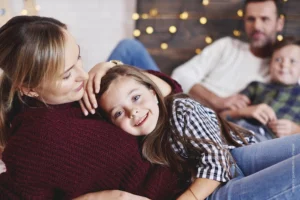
<point>28,92</point>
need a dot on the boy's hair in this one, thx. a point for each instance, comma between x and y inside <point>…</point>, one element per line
<point>276,2</point>
<point>156,146</point>
<point>285,42</point>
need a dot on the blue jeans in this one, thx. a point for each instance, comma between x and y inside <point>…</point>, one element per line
<point>269,171</point>
<point>132,52</point>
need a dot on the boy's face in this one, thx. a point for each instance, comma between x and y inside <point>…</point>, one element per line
<point>285,65</point>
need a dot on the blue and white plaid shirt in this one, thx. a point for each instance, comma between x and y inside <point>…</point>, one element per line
<point>191,120</point>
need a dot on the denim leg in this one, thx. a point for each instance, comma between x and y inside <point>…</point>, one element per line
<point>271,168</point>
<point>133,52</point>
<point>277,182</point>
<point>255,157</point>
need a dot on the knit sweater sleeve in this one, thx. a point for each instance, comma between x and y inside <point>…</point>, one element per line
<point>55,157</point>
<point>176,87</point>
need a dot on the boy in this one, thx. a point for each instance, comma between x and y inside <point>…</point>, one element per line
<point>275,106</point>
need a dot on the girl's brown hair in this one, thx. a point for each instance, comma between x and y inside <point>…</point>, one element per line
<point>31,52</point>
<point>156,146</point>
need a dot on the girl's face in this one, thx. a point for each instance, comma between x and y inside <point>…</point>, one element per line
<point>131,106</point>
<point>70,85</point>
<point>285,65</point>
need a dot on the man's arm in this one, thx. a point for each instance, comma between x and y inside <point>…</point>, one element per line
<point>210,99</point>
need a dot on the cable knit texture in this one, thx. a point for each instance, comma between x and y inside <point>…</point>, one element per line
<point>57,153</point>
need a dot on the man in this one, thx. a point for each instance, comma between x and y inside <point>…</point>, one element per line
<point>215,76</point>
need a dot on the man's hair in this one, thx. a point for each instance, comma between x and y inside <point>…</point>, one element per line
<point>276,2</point>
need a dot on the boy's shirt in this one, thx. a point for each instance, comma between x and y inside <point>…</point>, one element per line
<point>285,100</point>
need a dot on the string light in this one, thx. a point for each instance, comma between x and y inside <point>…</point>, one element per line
<point>145,16</point>
<point>279,37</point>
<point>198,51</point>
<point>240,13</point>
<point>164,46</point>
<point>37,7</point>
<point>153,12</point>
<point>149,30</point>
<point>184,15</point>
<point>282,16</point>
<point>24,12</point>
<point>136,33</point>
<point>208,40</point>
<point>135,16</point>
<point>172,29</point>
<point>285,0</point>
<point>203,20</point>
<point>205,2</point>
<point>236,33</point>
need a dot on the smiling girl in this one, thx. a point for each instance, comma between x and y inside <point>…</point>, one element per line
<point>191,139</point>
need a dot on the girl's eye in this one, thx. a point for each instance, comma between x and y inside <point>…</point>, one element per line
<point>117,114</point>
<point>66,77</point>
<point>137,97</point>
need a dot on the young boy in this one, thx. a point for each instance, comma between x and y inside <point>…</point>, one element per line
<point>275,106</point>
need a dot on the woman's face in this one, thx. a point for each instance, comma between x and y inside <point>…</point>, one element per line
<point>70,85</point>
<point>131,106</point>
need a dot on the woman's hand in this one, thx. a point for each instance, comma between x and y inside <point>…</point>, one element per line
<point>89,102</point>
<point>111,194</point>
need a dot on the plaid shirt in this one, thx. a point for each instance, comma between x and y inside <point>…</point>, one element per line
<point>192,120</point>
<point>285,100</point>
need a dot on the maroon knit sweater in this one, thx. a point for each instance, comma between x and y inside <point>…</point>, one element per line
<point>57,153</point>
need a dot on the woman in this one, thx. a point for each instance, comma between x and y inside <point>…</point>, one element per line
<point>51,150</point>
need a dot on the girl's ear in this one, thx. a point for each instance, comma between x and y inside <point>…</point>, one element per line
<point>28,92</point>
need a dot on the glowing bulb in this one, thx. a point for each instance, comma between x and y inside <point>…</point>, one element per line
<point>205,2</point>
<point>153,12</point>
<point>172,29</point>
<point>285,0</point>
<point>282,16</point>
<point>136,33</point>
<point>208,39</point>
<point>149,30</point>
<point>184,15</point>
<point>37,7</point>
<point>164,46</point>
<point>24,12</point>
<point>240,13</point>
<point>135,16</point>
<point>145,16</point>
<point>279,37</point>
<point>203,20</point>
<point>236,33</point>
<point>198,51</point>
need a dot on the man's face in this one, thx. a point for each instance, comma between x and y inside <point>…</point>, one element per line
<point>262,23</point>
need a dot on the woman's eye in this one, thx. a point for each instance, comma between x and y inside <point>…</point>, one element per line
<point>79,57</point>
<point>117,114</point>
<point>66,77</point>
<point>137,97</point>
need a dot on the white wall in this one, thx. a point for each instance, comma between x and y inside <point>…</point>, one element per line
<point>96,24</point>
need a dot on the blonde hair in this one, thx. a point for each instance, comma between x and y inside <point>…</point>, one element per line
<point>31,51</point>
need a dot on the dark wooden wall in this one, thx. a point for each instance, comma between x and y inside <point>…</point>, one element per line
<point>222,20</point>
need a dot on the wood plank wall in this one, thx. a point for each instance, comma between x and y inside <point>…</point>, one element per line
<point>222,19</point>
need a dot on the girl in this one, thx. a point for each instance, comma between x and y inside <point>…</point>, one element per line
<point>190,138</point>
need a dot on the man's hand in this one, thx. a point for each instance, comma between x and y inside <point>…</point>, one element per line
<point>233,102</point>
<point>284,127</point>
<point>261,112</point>
<point>89,101</point>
